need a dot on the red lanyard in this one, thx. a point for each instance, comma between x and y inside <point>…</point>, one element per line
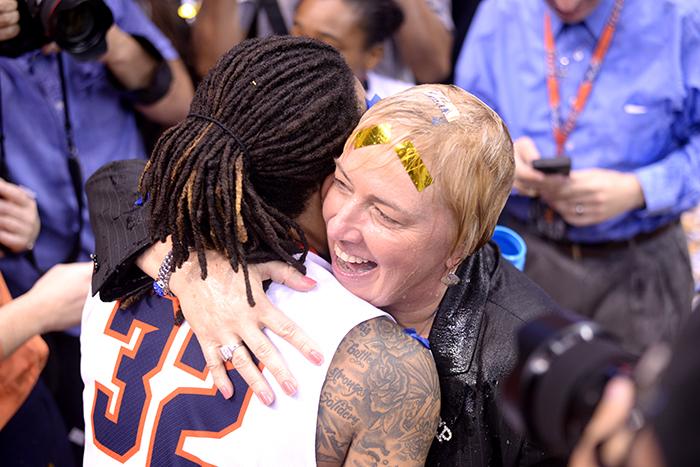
<point>561,132</point>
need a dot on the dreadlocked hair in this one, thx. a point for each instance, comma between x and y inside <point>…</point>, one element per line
<point>264,127</point>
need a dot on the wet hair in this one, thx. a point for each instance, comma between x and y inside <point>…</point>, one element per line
<point>264,128</point>
<point>469,155</point>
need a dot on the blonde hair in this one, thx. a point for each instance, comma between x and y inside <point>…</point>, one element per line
<point>466,147</point>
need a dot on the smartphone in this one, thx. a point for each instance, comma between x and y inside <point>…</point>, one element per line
<point>553,165</point>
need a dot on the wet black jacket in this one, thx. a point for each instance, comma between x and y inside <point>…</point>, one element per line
<point>473,340</point>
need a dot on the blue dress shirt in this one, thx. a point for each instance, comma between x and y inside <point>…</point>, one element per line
<point>104,130</point>
<point>643,115</point>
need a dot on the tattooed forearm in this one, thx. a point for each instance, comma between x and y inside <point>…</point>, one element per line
<point>390,399</point>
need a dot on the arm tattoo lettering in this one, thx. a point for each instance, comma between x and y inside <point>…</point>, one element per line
<point>380,403</point>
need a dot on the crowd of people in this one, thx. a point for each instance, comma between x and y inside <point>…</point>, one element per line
<point>262,235</point>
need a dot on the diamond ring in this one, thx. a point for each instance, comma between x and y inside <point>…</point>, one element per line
<point>227,350</point>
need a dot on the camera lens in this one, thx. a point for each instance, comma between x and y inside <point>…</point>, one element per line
<point>564,364</point>
<point>76,24</point>
<point>79,26</point>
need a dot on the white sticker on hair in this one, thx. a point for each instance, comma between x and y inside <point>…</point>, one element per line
<point>448,109</point>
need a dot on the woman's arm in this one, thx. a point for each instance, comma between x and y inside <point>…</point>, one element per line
<point>53,304</point>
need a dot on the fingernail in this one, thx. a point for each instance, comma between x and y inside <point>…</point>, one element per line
<point>316,357</point>
<point>615,389</point>
<point>309,281</point>
<point>289,387</point>
<point>226,392</point>
<point>266,397</point>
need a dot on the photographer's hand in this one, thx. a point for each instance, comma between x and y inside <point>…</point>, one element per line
<point>607,439</point>
<point>9,19</point>
<point>19,217</point>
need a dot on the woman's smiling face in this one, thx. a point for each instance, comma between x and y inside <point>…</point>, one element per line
<point>389,243</point>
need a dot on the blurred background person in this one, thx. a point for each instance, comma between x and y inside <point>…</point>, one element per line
<point>53,303</point>
<point>615,86</point>
<point>358,29</point>
<point>19,218</point>
<point>32,431</point>
<point>418,52</point>
<point>66,114</point>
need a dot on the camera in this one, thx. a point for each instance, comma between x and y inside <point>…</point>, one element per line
<point>563,366</point>
<point>78,26</point>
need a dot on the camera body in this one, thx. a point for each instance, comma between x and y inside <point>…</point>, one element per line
<point>563,366</point>
<point>79,27</point>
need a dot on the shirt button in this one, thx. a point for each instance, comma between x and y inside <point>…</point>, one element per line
<point>564,61</point>
<point>569,146</point>
<point>58,105</point>
<point>578,55</point>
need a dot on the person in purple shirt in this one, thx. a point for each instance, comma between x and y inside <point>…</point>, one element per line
<point>140,72</point>
<point>615,86</point>
<point>102,116</point>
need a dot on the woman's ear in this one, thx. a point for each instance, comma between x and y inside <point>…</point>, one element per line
<point>455,259</point>
<point>373,56</point>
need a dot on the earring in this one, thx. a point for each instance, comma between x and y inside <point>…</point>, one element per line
<point>450,279</point>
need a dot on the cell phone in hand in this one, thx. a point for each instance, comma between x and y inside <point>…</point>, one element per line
<point>554,165</point>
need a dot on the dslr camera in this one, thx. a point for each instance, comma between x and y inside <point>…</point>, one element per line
<point>79,27</point>
<point>563,366</point>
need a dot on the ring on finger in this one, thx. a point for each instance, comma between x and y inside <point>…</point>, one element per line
<point>227,350</point>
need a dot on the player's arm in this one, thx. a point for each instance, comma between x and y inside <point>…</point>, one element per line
<point>380,404</point>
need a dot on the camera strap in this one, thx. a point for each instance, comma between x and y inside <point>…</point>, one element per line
<point>548,222</point>
<point>562,128</point>
<point>74,168</point>
<point>4,171</point>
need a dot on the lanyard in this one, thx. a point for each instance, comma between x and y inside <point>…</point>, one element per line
<point>561,132</point>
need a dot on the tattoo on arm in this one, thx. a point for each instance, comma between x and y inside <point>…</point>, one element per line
<point>380,403</point>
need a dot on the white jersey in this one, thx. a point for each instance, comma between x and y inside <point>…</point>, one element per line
<point>384,86</point>
<point>149,399</point>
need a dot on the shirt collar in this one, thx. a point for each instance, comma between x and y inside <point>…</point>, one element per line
<point>599,17</point>
<point>594,23</point>
<point>313,257</point>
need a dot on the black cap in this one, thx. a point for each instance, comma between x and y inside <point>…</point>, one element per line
<point>119,219</point>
